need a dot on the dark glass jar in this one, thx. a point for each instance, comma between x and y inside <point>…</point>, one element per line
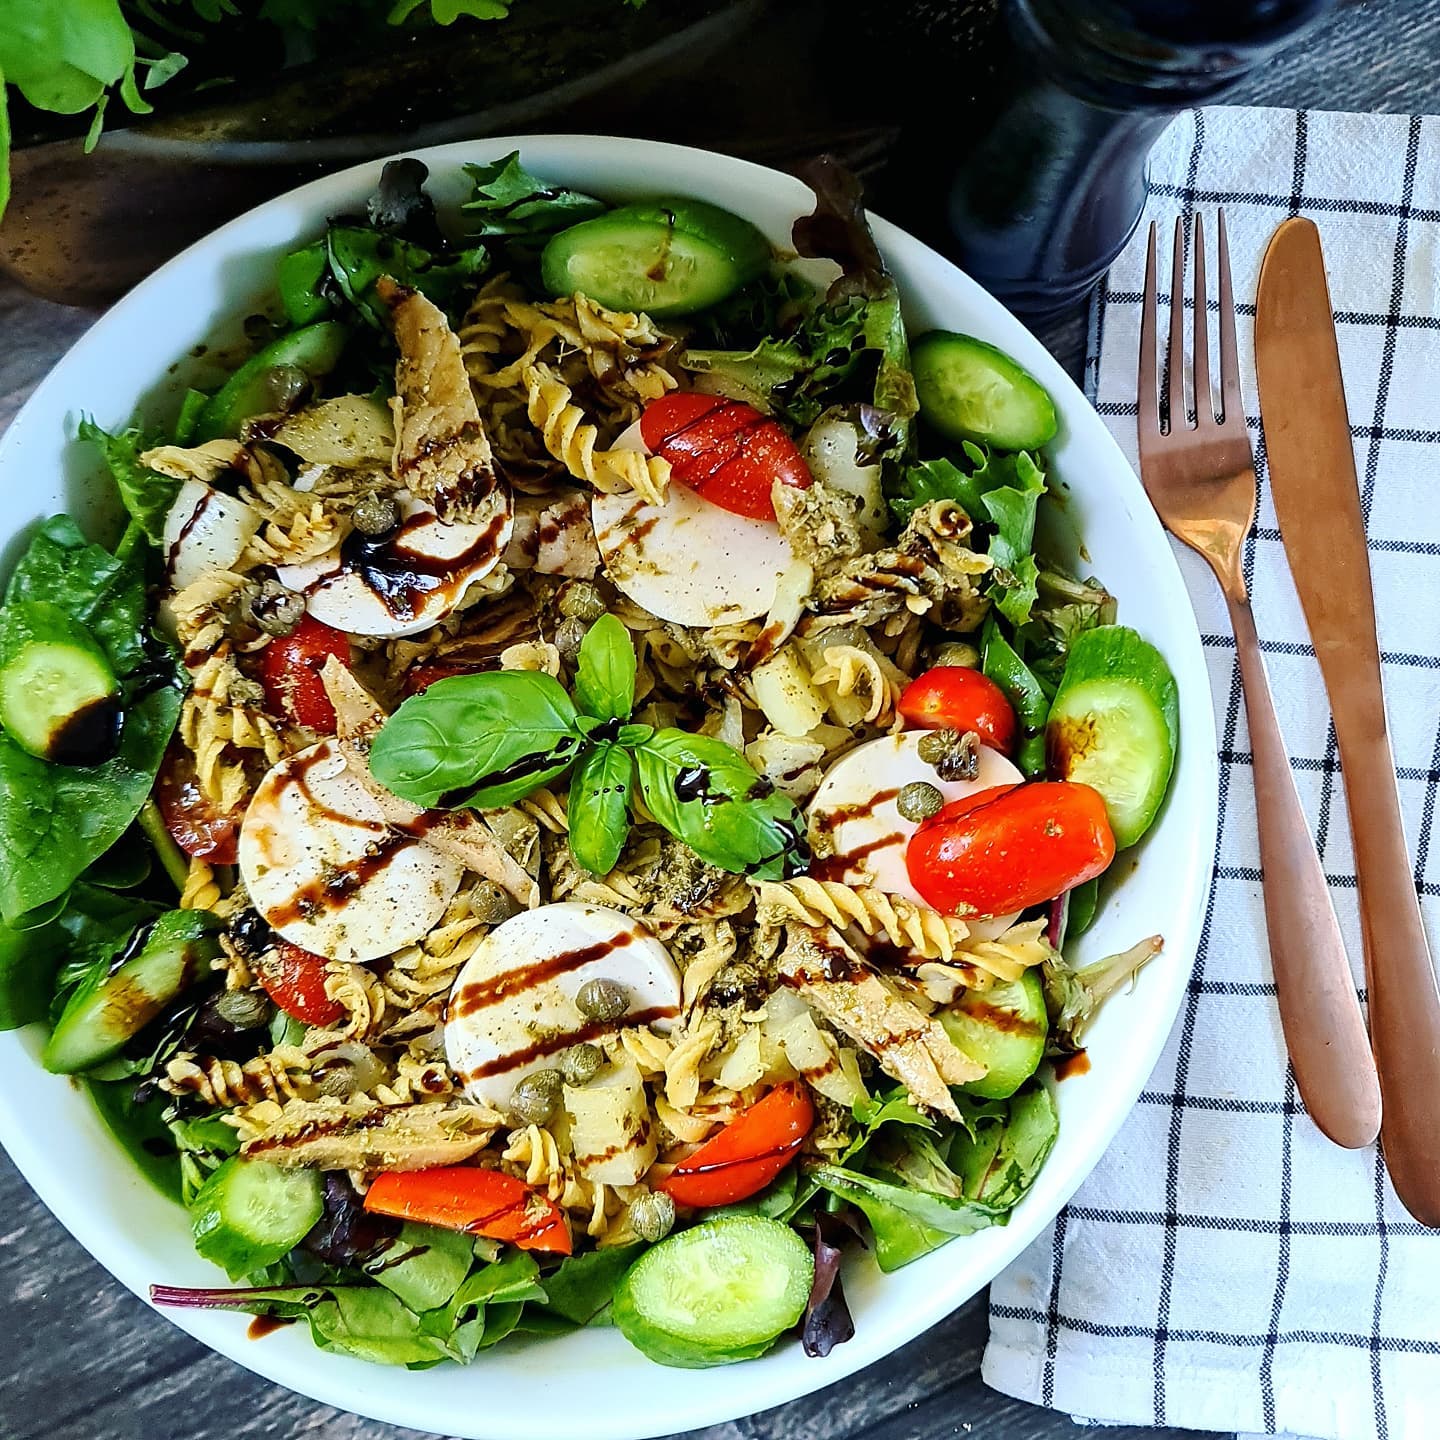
<point>1023,147</point>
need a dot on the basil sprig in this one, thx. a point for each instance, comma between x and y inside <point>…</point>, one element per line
<point>488,740</point>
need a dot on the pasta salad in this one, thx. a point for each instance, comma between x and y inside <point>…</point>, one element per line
<point>567,802</point>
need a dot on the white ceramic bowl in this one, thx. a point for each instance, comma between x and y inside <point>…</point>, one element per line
<point>592,1383</point>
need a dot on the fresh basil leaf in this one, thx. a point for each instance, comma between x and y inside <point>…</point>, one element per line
<point>631,735</point>
<point>486,740</point>
<point>145,493</point>
<point>582,1287</point>
<point>599,807</point>
<point>56,820</point>
<point>92,586</point>
<point>708,795</point>
<point>605,671</point>
<point>509,203</point>
<point>424,1265</point>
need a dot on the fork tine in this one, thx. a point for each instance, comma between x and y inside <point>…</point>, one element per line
<point>1173,411</point>
<point>1230,397</point>
<point>1204,398</point>
<point>1148,418</point>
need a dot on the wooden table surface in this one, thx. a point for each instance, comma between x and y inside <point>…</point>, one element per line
<point>85,1360</point>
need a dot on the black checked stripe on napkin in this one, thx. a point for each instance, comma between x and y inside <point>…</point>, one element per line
<point>1372,436</point>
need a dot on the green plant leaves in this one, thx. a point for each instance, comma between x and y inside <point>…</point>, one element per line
<point>599,806</point>
<point>483,740</point>
<point>605,671</point>
<point>509,203</point>
<point>709,796</point>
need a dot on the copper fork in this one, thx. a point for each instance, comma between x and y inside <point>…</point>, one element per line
<point>1201,481</point>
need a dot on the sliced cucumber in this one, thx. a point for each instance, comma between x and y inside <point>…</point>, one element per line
<point>1114,725</point>
<point>108,1009</point>
<point>1003,1028</point>
<point>969,390</point>
<point>251,390</point>
<point>663,257</point>
<point>59,699</point>
<point>722,1291</point>
<point>250,1213</point>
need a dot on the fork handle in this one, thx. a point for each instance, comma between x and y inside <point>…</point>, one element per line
<point>1319,1010</point>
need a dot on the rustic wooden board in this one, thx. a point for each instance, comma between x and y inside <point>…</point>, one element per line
<point>86,1361</point>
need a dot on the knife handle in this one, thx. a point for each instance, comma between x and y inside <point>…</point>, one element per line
<point>1404,1002</point>
<point>1319,1010</point>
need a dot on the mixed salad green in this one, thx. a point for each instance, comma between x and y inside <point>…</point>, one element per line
<point>794,942</point>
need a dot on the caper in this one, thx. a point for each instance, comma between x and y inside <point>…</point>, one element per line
<point>954,756</point>
<point>602,999</point>
<point>580,1064</point>
<point>375,514</point>
<point>569,635</point>
<point>652,1215</point>
<point>490,904</point>
<point>245,691</point>
<point>580,600</point>
<point>271,608</point>
<point>534,1099</point>
<point>957,652</point>
<point>244,1009</point>
<point>918,800</point>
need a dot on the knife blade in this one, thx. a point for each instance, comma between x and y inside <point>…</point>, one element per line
<point>1317,500</point>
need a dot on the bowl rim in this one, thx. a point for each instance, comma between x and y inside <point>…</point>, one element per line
<point>785,1375</point>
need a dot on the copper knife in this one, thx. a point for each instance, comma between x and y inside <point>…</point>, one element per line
<point>1317,500</point>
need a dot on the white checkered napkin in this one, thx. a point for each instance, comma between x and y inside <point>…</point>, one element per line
<point>1225,1267</point>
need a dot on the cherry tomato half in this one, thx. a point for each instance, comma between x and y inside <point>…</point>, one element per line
<point>724,450</point>
<point>295,980</point>
<point>424,675</point>
<point>953,697</point>
<point>479,1202</point>
<point>290,670</point>
<point>748,1153</point>
<point>197,825</point>
<point>1009,847</point>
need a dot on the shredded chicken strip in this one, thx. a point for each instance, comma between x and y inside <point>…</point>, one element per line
<point>461,834</point>
<point>909,1045</point>
<point>442,453</point>
<point>360,1135</point>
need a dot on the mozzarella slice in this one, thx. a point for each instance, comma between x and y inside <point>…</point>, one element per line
<point>407,583</point>
<point>205,530</point>
<point>855,806</point>
<point>512,1009</point>
<point>324,869</point>
<point>688,561</point>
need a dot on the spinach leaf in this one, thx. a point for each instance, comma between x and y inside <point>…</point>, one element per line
<point>92,586</point>
<point>581,1289</point>
<point>999,1164</point>
<point>486,1307</point>
<point>56,819</point>
<point>779,1200</point>
<point>140,1128</point>
<point>145,493</point>
<point>605,671</point>
<point>510,204</point>
<point>357,257</point>
<point>905,1223</point>
<point>599,807</point>
<point>708,795</point>
<point>29,960</point>
<point>94,927</point>
<point>424,1265</point>
<point>490,738</point>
